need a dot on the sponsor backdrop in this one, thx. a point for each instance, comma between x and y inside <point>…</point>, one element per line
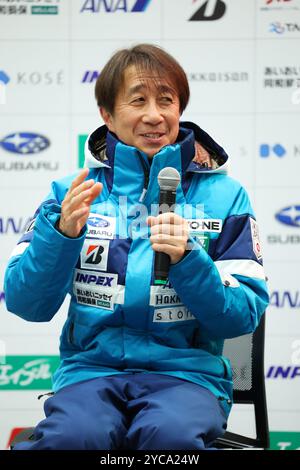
<point>242,61</point>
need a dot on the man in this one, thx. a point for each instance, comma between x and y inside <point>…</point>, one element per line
<point>141,364</point>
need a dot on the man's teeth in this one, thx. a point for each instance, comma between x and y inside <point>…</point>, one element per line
<point>152,136</point>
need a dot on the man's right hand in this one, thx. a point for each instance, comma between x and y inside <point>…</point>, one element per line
<point>75,207</point>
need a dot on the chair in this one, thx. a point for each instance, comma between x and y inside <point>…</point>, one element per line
<point>246,354</point>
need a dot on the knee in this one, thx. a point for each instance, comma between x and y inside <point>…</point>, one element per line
<point>164,436</point>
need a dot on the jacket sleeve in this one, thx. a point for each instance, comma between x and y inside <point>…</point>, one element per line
<point>40,269</point>
<point>226,291</point>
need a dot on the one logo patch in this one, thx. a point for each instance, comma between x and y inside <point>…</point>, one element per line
<point>204,225</point>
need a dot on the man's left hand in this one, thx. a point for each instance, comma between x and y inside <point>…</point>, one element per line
<point>169,234</point>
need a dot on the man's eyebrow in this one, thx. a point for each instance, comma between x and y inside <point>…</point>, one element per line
<point>141,86</point>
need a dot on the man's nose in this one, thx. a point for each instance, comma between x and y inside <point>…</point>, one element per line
<point>152,113</point>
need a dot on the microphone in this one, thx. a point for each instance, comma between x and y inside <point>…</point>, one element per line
<point>168,179</point>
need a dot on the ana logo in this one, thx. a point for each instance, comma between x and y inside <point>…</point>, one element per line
<point>98,222</point>
<point>90,76</point>
<point>25,143</point>
<point>289,216</point>
<point>2,297</point>
<point>14,226</point>
<point>266,150</point>
<point>285,299</point>
<point>210,10</point>
<point>112,6</point>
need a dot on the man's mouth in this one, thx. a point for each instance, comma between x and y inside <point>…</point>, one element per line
<point>152,135</point>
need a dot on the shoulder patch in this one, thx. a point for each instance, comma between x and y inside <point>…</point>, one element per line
<point>255,239</point>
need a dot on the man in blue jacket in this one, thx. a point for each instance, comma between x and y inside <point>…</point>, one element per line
<point>141,363</point>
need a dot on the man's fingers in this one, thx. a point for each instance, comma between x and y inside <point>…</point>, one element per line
<point>163,239</point>
<point>169,229</point>
<point>79,178</point>
<point>166,218</point>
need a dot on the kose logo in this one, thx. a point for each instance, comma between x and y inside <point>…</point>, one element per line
<point>113,6</point>
<point>289,216</point>
<point>210,10</point>
<point>4,78</point>
<point>285,299</point>
<point>25,143</point>
<point>266,150</point>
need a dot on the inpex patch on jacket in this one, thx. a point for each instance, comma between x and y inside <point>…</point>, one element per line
<point>94,254</point>
<point>101,226</point>
<point>255,239</point>
<point>97,289</point>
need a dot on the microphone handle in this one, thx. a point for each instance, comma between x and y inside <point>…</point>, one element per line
<point>167,198</point>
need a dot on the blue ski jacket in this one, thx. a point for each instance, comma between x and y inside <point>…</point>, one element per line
<point>118,320</point>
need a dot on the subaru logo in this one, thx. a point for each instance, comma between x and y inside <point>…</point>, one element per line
<point>289,216</point>
<point>98,222</point>
<point>25,143</point>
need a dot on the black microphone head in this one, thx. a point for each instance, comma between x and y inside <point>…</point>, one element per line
<point>168,178</point>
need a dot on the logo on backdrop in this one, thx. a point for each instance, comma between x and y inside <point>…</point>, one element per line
<point>271,5</point>
<point>114,6</point>
<point>278,151</point>
<point>266,150</point>
<point>218,77</point>
<point>21,7</point>
<point>28,372</point>
<point>285,299</point>
<point>279,28</point>
<point>285,76</point>
<point>90,76</point>
<point>210,10</point>
<point>26,144</point>
<point>13,225</point>
<point>282,440</point>
<point>4,80</point>
<point>2,297</point>
<point>289,216</point>
<point>283,372</point>
<point>36,78</point>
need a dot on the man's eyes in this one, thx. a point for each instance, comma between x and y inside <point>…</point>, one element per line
<point>163,99</point>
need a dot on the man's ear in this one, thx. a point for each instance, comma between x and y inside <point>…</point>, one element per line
<point>107,118</point>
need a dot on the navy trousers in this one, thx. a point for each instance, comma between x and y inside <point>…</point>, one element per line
<point>133,411</point>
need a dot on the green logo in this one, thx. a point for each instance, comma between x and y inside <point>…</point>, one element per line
<point>44,10</point>
<point>81,143</point>
<point>285,440</point>
<point>28,372</point>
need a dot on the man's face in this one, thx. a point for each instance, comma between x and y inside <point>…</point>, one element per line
<point>146,114</point>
